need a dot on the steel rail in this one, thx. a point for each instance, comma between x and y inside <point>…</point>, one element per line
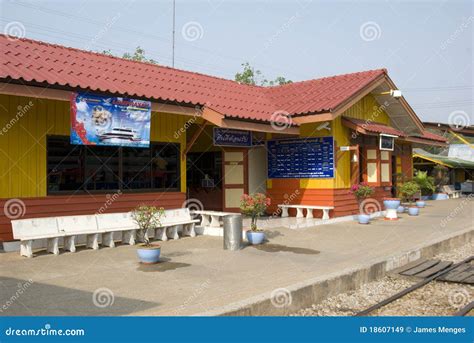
<point>411,288</point>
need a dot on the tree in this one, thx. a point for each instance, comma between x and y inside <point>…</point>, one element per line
<point>138,55</point>
<point>251,76</point>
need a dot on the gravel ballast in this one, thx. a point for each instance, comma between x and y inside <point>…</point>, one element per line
<point>434,299</point>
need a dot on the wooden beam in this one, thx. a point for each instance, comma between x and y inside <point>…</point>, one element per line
<point>406,106</point>
<point>313,118</point>
<point>220,120</point>
<point>194,138</point>
<point>61,95</point>
<point>423,141</point>
<point>358,96</point>
<point>35,92</point>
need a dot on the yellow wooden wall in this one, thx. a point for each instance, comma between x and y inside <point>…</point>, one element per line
<point>25,123</point>
<point>365,109</point>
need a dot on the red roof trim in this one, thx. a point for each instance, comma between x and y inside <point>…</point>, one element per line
<point>432,136</point>
<point>374,127</point>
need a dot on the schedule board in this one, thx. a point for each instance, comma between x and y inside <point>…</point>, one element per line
<point>301,158</point>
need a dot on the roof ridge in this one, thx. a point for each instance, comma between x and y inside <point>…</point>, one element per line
<point>82,69</point>
<point>269,88</point>
<point>384,70</point>
<point>125,59</point>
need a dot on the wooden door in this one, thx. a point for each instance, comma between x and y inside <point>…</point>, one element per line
<point>234,178</point>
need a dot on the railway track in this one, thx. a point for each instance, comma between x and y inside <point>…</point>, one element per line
<point>441,275</point>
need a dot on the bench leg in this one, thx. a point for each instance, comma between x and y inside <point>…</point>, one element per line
<point>309,213</point>
<point>174,231</point>
<point>205,220</point>
<point>108,239</point>
<point>299,213</point>
<point>325,214</point>
<point>215,221</point>
<point>161,234</point>
<point>25,248</point>
<point>188,230</point>
<point>92,241</point>
<point>70,243</point>
<point>53,245</point>
<point>128,237</point>
<point>192,231</point>
<point>284,212</point>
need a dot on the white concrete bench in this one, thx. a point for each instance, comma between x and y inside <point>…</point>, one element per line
<point>72,226</point>
<point>69,227</point>
<point>452,193</point>
<point>309,210</point>
<point>28,230</point>
<point>172,222</point>
<point>109,223</point>
<point>211,218</point>
<point>211,222</point>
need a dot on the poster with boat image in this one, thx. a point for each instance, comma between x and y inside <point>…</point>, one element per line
<point>103,120</point>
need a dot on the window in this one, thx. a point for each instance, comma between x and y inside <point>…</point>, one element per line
<point>387,142</point>
<point>378,170</point>
<point>77,168</point>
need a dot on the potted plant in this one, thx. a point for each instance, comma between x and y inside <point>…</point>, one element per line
<point>408,191</point>
<point>362,191</point>
<point>147,217</point>
<point>254,206</point>
<point>426,184</point>
<point>441,179</point>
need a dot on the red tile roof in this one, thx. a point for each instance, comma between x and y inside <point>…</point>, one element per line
<point>375,127</point>
<point>432,136</point>
<point>35,61</point>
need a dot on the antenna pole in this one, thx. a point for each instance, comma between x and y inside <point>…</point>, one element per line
<point>174,25</point>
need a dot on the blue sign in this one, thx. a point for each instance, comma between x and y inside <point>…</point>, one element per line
<point>222,329</point>
<point>101,120</point>
<point>301,158</point>
<point>231,137</point>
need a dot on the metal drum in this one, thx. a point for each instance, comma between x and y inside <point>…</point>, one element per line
<point>233,232</point>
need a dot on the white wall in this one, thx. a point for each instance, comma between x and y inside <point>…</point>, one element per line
<point>257,161</point>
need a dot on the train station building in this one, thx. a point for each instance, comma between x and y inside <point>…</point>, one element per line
<point>82,132</point>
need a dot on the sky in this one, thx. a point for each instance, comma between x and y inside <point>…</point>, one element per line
<point>427,46</point>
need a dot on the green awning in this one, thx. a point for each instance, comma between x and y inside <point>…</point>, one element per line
<point>451,162</point>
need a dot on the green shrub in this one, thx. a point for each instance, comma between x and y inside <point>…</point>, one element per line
<point>408,190</point>
<point>146,217</point>
<point>425,182</point>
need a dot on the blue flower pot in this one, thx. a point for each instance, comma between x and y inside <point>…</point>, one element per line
<point>400,209</point>
<point>413,211</point>
<point>391,204</point>
<point>255,237</point>
<point>439,196</point>
<point>420,204</point>
<point>150,254</point>
<point>364,218</point>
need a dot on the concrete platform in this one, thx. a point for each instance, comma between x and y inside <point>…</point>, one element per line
<point>295,268</point>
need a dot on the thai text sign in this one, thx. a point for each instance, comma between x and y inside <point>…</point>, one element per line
<point>301,158</point>
<point>230,137</point>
